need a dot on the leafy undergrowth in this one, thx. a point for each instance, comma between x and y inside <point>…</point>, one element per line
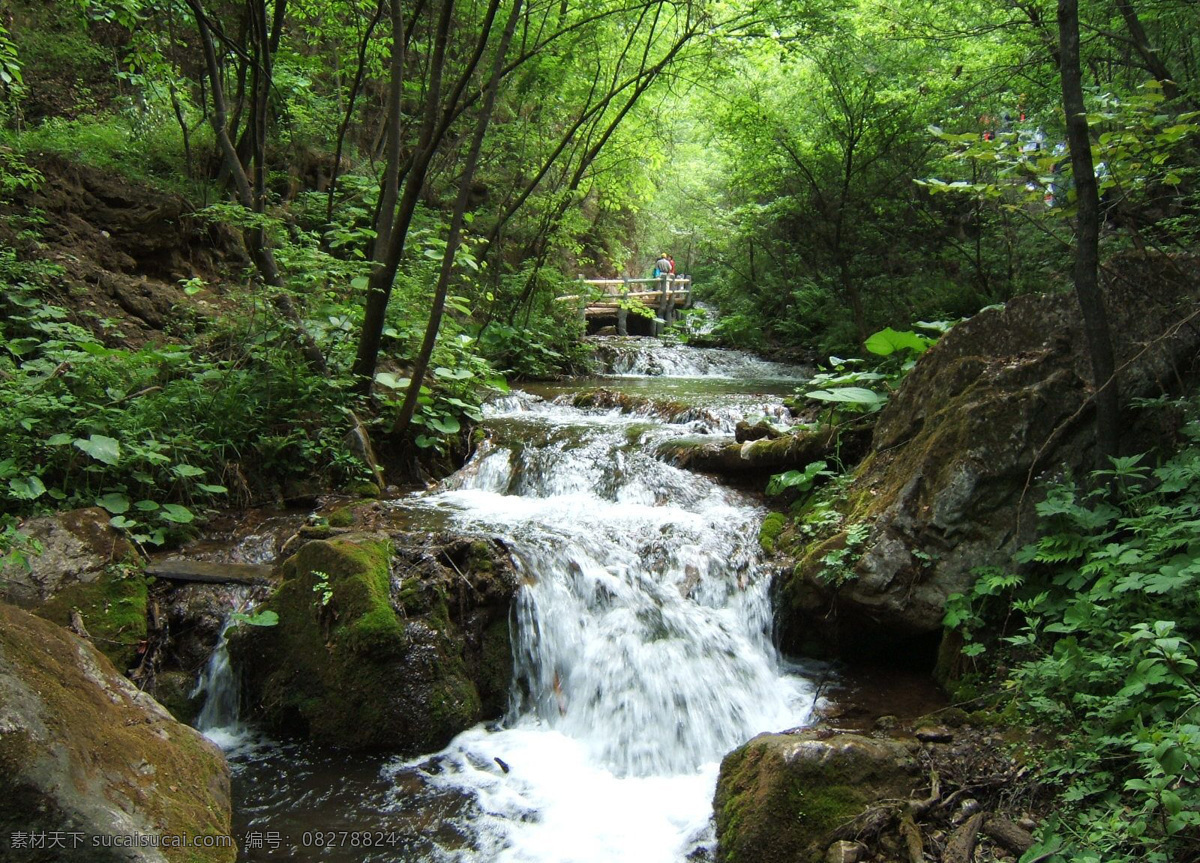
<point>152,435</point>
<point>1098,651</point>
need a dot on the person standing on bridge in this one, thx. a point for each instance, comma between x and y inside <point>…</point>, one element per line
<point>662,266</point>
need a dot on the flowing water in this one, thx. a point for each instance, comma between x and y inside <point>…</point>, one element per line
<point>641,633</point>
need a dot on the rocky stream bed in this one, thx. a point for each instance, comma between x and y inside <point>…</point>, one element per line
<point>568,650</point>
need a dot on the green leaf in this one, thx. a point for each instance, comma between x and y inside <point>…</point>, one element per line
<point>101,448</point>
<point>114,502</point>
<point>263,618</point>
<point>446,425</point>
<point>849,395</point>
<point>176,513</point>
<point>187,470</point>
<point>389,380</point>
<point>212,489</point>
<point>887,341</point>
<point>26,488</point>
<point>146,505</point>
<point>58,440</point>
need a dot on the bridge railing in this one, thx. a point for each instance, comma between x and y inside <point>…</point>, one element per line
<point>666,293</point>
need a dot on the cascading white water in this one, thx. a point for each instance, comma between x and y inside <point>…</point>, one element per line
<point>641,641</point>
<point>654,358</point>
<point>219,718</point>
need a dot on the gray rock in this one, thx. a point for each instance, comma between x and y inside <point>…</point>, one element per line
<point>784,797</point>
<point>85,755</point>
<point>958,455</point>
<point>76,546</point>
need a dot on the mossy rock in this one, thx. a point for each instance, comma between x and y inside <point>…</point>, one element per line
<point>946,486</point>
<point>768,535</point>
<point>83,751</point>
<point>113,608</point>
<point>345,667</point>
<point>366,489</point>
<point>173,690</point>
<point>343,516</point>
<point>782,798</point>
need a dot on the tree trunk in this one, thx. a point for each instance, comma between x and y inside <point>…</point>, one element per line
<point>256,242</point>
<point>1087,249</point>
<point>421,365</point>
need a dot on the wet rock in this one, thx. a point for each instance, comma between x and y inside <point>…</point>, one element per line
<point>941,489</point>
<point>763,429</point>
<point>383,642</point>
<point>934,734</point>
<point>781,797</point>
<point>762,456</point>
<point>82,751</point>
<point>845,851</point>
<point>76,546</point>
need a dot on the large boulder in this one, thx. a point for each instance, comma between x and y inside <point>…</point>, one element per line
<point>388,643</point>
<point>75,547</point>
<point>782,798</point>
<point>998,405</point>
<point>80,570</point>
<point>87,758</point>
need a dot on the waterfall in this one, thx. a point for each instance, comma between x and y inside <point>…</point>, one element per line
<point>641,640</point>
<point>218,719</point>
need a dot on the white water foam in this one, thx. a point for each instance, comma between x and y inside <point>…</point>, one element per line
<point>641,643</point>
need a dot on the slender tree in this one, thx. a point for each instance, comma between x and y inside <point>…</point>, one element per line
<point>1087,234</point>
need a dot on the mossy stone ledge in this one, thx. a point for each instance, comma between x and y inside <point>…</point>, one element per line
<point>376,647</point>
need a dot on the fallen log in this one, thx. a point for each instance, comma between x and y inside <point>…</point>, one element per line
<point>210,573</point>
<point>1004,832</point>
<point>961,847</point>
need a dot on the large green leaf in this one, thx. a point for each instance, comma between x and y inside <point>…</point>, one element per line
<point>101,448</point>
<point>446,425</point>
<point>887,341</point>
<point>114,502</point>
<point>849,395</point>
<point>26,488</point>
<point>176,513</point>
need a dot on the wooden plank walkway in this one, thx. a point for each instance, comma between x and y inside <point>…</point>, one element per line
<point>612,299</point>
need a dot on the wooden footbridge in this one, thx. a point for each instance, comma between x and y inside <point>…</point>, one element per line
<point>639,307</point>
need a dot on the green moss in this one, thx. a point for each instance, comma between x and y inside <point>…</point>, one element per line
<point>113,608</point>
<point>824,808</point>
<point>341,517</point>
<point>364,489</point>
<point>354,672</point>
<point>768,535</point>
<point>495,675</point>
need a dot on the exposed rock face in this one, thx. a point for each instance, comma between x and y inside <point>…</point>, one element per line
<point>84,753</point>
<point>76,547</point>
<point>942,486</point>
<point>781,797</point>
<point>383,643</point>
<point>83,567</point>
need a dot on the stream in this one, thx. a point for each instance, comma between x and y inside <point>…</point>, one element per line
<point>641,632</point>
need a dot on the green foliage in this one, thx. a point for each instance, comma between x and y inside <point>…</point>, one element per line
<point>262,618</point>
<point>797,479</point>
<point>1102,653</point>
<point>149,434</point>
<point>840,385</point>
